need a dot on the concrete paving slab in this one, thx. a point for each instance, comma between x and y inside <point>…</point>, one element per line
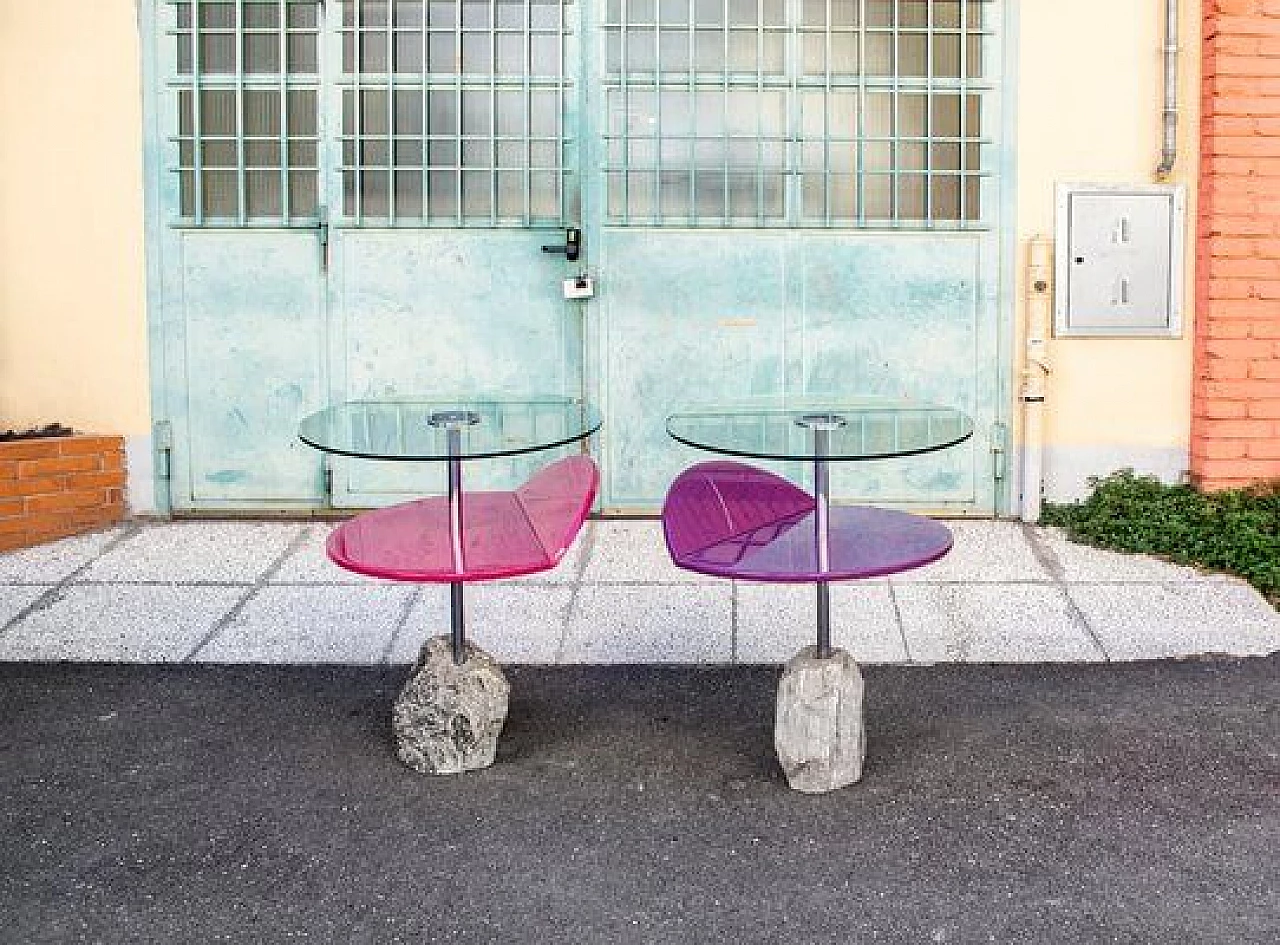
<point>343,624</point>
<point>1138,622</point>
<point>633,552</point>
<point>984,553</point>
<point>14,599</point>
<point>54,561</point>
<point>776,620</point>
<point>183,552</point>
<point>513,623</point>
<point>985,623</point>
<point>651,623</point>
<point>1086,564</point>
<point>633,605</point>
<point>125,623</point>
<point>308,563</point>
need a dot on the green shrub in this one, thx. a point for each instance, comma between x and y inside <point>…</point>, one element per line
<point>1236,530</point>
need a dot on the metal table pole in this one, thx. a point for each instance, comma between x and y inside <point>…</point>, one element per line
<point>822,495</point>
<point>456,622</point>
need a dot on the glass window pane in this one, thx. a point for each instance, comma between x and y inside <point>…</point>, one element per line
<point>373,51</point>
<point>476,52</point>
<point>544,53</point>
<point>261,53</point>
<point>187,193</point>
<point>262,14</point>
<point>511,195</point>
<point>262,154</point>
<point>375,193</point>
<point>217,112</point>
<point>261,112</point>
<point>843,190</point>
<point>304,15</point>
<point>263,194</point>
<point>475,113</point>
<point>477,195</point>
<point>408,194</point>
<point>303,153</point>
<point>408,117</point>
<point>217,53</point>
<point>408,14</point>
<point>442,194</point>
<point>220,194</point>
<point>303,53</point>
<point>219,153</point>
<point>303,119</point>
<point>408,152</point>
<point>217,14</point>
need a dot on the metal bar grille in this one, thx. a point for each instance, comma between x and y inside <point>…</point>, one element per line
<point>246,93</point>
<point>478,88</point>
<point>831,113</point>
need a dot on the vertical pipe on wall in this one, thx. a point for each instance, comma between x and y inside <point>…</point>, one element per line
<point>1169,149</point>
<point>1039,303</point>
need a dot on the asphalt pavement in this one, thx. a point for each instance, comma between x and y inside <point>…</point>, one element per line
<point>1124,802</point>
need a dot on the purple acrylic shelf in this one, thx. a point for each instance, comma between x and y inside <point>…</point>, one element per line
<point>732,520</point>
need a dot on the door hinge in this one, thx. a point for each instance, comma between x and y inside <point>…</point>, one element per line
<point>162,444</point>
<point>322,235</point>
<point>999,450</point>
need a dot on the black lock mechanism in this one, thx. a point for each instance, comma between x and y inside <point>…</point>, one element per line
<point>572,247</point>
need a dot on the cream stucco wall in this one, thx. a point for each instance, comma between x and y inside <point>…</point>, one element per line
<point>73,339</point>
<point>1090,83</point>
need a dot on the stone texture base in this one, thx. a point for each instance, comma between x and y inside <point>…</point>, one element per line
<point>448,716</point>
<point>818,730</point>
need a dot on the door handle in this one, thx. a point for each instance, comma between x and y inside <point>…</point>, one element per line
<point>572,247</point>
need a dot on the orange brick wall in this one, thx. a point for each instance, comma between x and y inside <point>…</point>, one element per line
<point>1235,422</point>
<point>60,486</point>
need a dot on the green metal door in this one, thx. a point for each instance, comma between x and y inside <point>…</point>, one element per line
<point>796,199</point>
<point>353,201</point>
<point>781,199</point>
<point>238,290</point>
<point>456,166</point>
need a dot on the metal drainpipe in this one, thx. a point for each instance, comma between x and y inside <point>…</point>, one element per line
<point>1035,369</point>
<point>1169,152</point>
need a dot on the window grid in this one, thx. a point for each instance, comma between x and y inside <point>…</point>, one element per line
<point>247,97</point>
<point>868,113</point>
<point>454,115</point>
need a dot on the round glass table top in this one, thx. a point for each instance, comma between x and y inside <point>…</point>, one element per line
<point>853,430</point>
<point>423,429</point>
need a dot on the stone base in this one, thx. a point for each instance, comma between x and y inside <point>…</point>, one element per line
<point>448,717</point>
<point>818,730</point>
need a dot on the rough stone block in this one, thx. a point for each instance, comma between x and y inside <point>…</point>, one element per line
<point>448,716</point>
<point>818,729</point>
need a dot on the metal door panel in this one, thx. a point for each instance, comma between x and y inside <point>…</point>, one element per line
<point>688,318</point>
<point>900,316</point>
<point>812,214</point>
<point>684,318</point>
<point>252,364</point>
<point>442,313</point>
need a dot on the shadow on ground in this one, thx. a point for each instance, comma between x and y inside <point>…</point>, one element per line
<point>1125,803</point>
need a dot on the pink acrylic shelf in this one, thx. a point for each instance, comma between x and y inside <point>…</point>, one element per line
<point>504,534</point>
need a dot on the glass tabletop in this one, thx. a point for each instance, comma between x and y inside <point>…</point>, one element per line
<point>852,430</point>
<point>422,429</point>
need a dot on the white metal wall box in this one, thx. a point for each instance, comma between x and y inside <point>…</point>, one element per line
<point>1119,261</point>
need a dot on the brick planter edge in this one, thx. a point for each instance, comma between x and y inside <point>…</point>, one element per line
<point>59,486</point>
